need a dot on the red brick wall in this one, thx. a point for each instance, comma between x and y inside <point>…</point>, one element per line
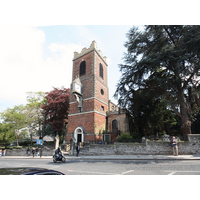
<point>122,122</point>
<point>84,120</point>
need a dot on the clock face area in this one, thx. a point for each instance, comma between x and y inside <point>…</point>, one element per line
<point>77,87</point>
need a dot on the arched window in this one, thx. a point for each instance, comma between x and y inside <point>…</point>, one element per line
<point>82,68</point>
<point>101,70</point>
<point>114,125</point>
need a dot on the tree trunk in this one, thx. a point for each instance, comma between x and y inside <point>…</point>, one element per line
<point>56,141</point>
<point>186,123</point>
<point>17,140</point>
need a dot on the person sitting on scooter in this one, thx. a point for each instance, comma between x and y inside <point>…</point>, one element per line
<point>58,152</point>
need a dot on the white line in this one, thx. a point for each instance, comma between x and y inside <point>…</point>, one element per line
<point>171,173</point>
<point>128,171</point>
<point>91,172</point>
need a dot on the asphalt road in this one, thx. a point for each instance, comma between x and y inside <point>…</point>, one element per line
<point>111,167</point>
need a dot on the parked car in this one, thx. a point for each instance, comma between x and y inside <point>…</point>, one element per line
<point>28,171</point>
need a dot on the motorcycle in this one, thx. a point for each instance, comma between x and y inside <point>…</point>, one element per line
<point>60,158</point>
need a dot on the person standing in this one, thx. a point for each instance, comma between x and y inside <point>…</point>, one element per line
<point>0,152</point>
<point>33,152</point>
<point>37,151</point>
<point>28,151</point>
<point>77,150</point>
<point>41,152</point>
<point>175,147</point>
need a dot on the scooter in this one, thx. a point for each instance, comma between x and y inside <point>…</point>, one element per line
<point>60,158</point>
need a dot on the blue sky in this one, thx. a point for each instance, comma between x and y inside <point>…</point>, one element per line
<point>39,58</point>
<point>38,38</point>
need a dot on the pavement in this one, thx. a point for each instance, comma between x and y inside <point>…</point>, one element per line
<point>114,157</point>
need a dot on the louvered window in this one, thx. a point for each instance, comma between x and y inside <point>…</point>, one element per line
<point>101,70</point>
<point>82,68</point>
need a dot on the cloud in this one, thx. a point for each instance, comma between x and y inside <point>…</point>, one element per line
<point>23,67</point>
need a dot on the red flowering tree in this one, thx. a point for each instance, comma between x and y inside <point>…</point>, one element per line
<point>56,109</point>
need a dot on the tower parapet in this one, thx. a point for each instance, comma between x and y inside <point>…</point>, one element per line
<point>86,50</point>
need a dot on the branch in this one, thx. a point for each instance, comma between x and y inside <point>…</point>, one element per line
<point>175,110</point>
<point>170,36</point>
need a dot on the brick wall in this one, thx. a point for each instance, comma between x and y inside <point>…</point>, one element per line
<point>122,121</point>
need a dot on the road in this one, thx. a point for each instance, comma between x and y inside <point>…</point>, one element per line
<point>111,167</point>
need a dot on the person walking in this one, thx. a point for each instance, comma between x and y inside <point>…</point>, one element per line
<point>33,152</point>
<point>28,151</point>
<point>37,151</point>
<point>4,152</point>
<point>175,147</point>
<point>41,152</point>
<point>77,150</point>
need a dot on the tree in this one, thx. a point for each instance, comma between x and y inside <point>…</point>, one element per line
<point>34,111</point>
<point>6,133</point>
<point>56,110</point>
<point>16,119</point>
<point>150,112</point>
<point>164,59</point>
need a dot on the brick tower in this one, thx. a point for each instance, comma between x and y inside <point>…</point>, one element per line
<point>88,95</point>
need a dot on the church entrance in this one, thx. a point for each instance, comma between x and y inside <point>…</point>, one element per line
<point>79,138</point>
<point>79,134</point>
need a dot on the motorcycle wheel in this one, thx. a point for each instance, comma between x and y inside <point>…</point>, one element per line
<point>54,160</point>
<point>63,160</point>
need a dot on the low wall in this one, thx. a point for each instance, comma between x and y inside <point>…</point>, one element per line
<point>149,148</point>
<point>22,152</point>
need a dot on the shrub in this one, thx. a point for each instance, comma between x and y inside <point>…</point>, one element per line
<point>125,137</point>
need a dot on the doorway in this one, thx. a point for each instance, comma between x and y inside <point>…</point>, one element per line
<point>79,138</point>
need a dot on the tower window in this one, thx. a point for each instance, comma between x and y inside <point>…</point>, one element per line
<point>102,108</point>
<point>102,92</point>
<point>82,68</point>
<point>101,70</point>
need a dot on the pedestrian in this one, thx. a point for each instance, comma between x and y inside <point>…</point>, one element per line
<point>28,151</point>
<point>33,152</point>
<point>77,150</point>
<point>37,151</point>
<point>4,152</point>
<point>0,152</point>
<point>175,147</point>
<point>41,152</point>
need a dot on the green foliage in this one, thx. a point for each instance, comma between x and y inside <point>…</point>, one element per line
<point>6,133</point>
<point>17,120</point>
<point>163,60</point>
<point>124,137</point>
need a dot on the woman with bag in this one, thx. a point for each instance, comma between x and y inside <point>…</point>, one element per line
<point>175,147</point>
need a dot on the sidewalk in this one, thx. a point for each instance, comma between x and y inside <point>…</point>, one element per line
<point>114,157</point>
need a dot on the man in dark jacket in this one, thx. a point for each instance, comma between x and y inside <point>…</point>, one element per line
<point>77,150</point>
<point>175,147</point>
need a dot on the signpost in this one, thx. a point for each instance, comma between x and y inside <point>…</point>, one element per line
<point>39,142</point>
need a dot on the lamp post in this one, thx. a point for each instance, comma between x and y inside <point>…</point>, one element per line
<point>17,133</point>
<point>43,127</point>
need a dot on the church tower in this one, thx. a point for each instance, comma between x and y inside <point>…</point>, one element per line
<point>88,95</point>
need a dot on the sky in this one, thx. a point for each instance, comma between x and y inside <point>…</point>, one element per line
<point>34,59</point>
<point>38,39</point>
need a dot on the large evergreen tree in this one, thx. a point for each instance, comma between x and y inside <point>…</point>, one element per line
<point>165,60</point>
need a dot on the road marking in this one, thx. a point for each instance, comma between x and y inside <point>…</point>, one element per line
<point>69,170</point>
<point>179,171</point>
<point>127,172</point>
<point>171,173</point>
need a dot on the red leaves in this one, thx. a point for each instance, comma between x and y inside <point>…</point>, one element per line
<point>57,107</point>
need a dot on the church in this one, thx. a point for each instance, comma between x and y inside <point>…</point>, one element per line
<point>92,116</point>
